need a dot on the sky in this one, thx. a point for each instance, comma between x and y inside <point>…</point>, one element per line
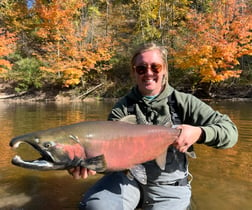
<point>30,3</point>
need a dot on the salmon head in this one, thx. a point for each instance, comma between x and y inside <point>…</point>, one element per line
<point>64,153</point>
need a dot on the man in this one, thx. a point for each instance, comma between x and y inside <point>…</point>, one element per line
<point>154,101</point>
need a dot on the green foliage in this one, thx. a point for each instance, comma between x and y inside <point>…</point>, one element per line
<point>120,77</point>
<point>246,65</point>
<point>93,11</point>
<point>26,74</point>
<point>201,6</point>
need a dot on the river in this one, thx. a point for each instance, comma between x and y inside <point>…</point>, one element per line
<point>222,178</point>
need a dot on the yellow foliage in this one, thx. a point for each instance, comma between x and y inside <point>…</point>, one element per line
<point>72,76</point>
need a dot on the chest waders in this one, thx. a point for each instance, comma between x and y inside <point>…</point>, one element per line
<point>174,112</point>
<point>165,188</point>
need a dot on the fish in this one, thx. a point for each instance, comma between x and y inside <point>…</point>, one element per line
<point>102,146</point>
<point>140,119</point>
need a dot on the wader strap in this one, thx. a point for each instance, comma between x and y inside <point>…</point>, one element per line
<point>180,182</point>
<point>174,111</point>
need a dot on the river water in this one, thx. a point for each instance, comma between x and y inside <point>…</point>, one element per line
<point>222,178</point>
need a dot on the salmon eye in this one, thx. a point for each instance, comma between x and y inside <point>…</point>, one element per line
<point>48,144</point>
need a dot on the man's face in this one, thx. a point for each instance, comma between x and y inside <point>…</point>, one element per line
<point>149,71</point>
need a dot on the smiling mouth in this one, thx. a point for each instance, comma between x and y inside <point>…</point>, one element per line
<point>149,80</point>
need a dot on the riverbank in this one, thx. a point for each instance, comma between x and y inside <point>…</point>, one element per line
<point>50,94</point>
<point>7,93</point>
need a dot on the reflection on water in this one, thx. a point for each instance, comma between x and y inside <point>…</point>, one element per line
<point>27,189</point>
<point>222,178</point>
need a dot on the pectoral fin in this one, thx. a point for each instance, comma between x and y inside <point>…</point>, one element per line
<point>161,160</point>
<point>97,163</point>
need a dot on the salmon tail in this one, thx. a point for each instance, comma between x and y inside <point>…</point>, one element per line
<point>96,163</point>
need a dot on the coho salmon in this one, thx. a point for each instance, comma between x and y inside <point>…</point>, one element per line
<point>98,145</point>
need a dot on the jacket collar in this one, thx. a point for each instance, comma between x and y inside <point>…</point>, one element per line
<point>137,96</point>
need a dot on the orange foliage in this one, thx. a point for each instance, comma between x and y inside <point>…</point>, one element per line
<point>7,45</point>
<point>68,54</point>
<point>216,40</point>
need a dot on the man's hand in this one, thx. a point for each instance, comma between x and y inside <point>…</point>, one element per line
<point>189,135</point>
<point>80,172</point>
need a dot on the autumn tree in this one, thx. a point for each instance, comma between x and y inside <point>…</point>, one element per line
<point>215,41</point>
<point>154,20</point>
<point>7,46</point>
<point>75,40</point>
<point>17,17</point>
<point>13,14</point>
<point>68,53</point>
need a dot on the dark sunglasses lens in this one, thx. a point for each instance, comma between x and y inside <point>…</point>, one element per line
<point>156,68</point>
<point>141,69</point>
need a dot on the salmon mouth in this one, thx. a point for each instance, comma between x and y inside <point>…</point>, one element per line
<point>45,162</point>
<point>39,164</point>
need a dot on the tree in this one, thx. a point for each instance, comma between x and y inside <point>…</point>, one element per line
<point>68,52</point>
<point>157,19</point>
<point>7,46</point>
<point>215,41</point>
<point>14,14</point>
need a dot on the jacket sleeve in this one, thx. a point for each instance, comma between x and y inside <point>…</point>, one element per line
<point>219,130</point>
<point>118,111</point>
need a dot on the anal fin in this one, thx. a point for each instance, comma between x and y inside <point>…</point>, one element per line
<point>161,160</point>
<point>139,173</point>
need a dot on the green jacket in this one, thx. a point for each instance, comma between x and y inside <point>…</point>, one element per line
<point>219,130</point>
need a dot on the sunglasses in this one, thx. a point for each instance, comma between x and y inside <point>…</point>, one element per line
<point>142,69</point>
